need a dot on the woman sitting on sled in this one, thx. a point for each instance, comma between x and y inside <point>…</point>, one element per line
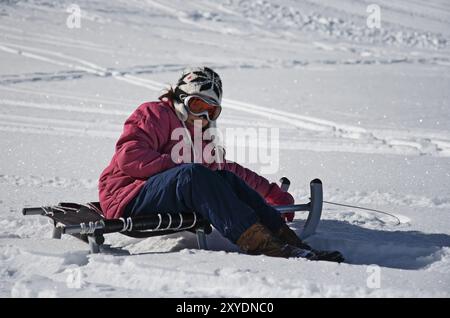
<point>144,178</point>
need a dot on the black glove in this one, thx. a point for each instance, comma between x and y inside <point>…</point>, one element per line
<point>331,256</point>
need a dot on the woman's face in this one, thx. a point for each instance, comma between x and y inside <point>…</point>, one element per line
<point>191,118</point>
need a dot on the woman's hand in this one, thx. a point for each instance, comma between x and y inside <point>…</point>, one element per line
<point>276,196</point>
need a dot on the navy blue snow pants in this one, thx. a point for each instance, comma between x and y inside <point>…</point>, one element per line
<point>220,196</point>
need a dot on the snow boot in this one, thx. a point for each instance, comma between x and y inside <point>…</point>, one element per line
<point>330,256</point>
<point>257,240</point>
<point>287,235</point>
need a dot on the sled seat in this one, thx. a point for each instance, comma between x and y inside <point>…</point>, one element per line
<point>86,222</point>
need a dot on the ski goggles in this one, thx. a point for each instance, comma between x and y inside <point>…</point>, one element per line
<point>203,106</point>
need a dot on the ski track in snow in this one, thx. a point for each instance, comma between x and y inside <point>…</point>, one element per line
<point>41,181</point>
<point>343,136</point>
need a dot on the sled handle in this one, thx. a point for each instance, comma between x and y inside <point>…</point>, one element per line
<point>316,209</point>
<point>33,211</point>
<point>314,206</point>
<point>293,208</point>
<point>285,183</point>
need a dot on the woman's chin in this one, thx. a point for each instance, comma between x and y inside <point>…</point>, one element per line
<point>192,122</point>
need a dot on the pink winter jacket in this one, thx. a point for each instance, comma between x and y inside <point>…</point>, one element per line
<point>144,149</point>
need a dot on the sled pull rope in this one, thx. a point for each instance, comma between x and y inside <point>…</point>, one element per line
<point>159,223</point>
<point>130,224</point>
<point>170,221</point>
<point>92,207</point>
<point>193,223</point>
<point>47,210</point>
<point>181,221</point>
<point>63,209</point>
<point>367,209</point>
<point>87,228</point>
<point>127,225</point>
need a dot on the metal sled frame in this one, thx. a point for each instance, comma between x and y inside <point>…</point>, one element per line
<point>92,229</point>
<point>314,207</point>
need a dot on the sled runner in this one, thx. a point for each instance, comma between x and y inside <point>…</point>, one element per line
<point>86,221</point>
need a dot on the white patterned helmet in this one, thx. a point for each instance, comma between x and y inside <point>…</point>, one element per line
<point>201,81</point>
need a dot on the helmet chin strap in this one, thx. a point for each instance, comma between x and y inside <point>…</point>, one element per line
<point>189,139</point>
<point>181,111</point>
<point>183,114</point>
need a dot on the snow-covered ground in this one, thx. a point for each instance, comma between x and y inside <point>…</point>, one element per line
<point>365,110</point>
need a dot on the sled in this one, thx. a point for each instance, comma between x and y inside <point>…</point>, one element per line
<point>86,221</point>
<point>314,207</point>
